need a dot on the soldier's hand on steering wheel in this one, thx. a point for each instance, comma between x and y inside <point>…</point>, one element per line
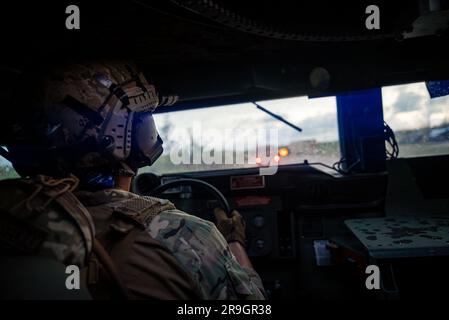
<point>232,228</point>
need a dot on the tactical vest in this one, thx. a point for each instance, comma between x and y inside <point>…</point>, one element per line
<point>42,217</point>
<point>117,222</point>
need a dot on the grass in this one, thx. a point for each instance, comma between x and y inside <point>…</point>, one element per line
<point>7,172</point>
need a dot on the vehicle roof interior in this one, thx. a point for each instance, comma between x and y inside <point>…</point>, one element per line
<point>208,63</point>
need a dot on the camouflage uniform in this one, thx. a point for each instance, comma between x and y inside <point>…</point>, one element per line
<point>42,217</point>
<point>95,121</point>
<point>197,245</point>
<point>159,251</point>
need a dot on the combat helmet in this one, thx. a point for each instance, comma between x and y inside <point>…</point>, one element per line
<point>91,119</point>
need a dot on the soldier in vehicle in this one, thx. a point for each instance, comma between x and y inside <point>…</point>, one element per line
<point>77,136</point>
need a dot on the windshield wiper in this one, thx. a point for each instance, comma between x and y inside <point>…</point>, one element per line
<point>278,117</point>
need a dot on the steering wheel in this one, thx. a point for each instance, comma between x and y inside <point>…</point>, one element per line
<point>194,183</point>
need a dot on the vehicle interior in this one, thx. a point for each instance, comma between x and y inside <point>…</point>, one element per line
<point>361,116</point>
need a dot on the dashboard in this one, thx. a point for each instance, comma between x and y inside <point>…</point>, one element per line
<point>288,216</point>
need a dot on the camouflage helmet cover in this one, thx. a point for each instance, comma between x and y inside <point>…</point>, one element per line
<point>91,84</point>
<point>113,92</point>
<point>99,102</point>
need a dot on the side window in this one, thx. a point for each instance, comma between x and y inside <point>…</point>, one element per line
<point>6,170</point>
<point>420,123</point>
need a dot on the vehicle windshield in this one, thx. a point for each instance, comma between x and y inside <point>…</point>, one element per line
<point>221,137</point>
<point>227,137</point>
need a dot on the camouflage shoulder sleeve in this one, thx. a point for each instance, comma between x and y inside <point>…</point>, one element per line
<point>42,217</point>
<point>203,252</point>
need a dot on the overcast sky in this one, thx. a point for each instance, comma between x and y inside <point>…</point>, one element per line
<point>317,118</point>
<point>410,107</point>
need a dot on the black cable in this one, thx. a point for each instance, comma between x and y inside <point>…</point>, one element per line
<point>338,166</point>
<point>390,139</point>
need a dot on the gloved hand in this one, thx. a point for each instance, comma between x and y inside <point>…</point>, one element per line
<point>233,229</point>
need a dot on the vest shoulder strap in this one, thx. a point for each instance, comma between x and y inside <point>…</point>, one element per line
<point>43,209</point>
